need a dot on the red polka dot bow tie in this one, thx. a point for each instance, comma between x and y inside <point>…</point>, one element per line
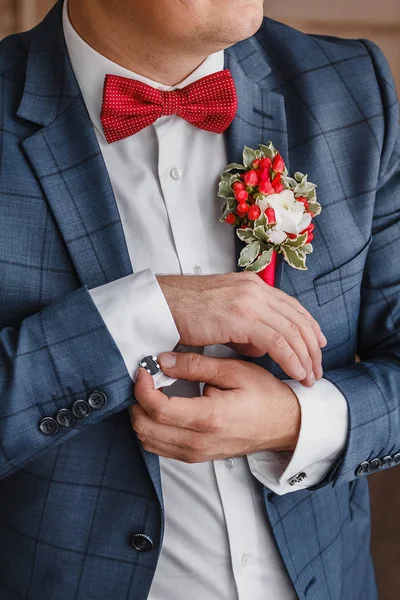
<point>129,106</point>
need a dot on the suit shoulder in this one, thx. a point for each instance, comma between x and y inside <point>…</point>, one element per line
<point>308,48</point>
<point>316,58</point>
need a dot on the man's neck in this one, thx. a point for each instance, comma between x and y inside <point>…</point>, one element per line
<point>120,42</point>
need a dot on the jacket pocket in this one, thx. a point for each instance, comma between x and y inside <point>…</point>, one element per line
<point>342,279</point>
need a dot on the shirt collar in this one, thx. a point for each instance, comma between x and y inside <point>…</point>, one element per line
<point>90,68</point>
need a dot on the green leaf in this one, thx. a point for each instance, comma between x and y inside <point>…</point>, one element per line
<point>261,234</point>
<point>307,248</point>
<point>261,262</point>
<point>234,167</point>
<point>261,221</point>
<point>298,242</point>
<point>314,208</point>
<point>312,195</point>
<point>294,258</point>
<point>224,190</point>
<point>268,150</point>
<point>248,156</point>
<point>229,206</point>
<point>249,254</point>
<point>299,177</point>
<point>246,235</point>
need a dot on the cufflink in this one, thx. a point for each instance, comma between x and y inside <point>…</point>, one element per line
<point>298,478</point>
<point>150,363</point>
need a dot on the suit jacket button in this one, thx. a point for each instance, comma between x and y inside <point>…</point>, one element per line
<point>142,542</point>
<point>386,461</point>
<point>362,468</point>
<point>48,426</point>
<point>97,400</point>
<point>81,409</point>
<point>396,458</point>
<point>374,465</point>
<point>64,417</point>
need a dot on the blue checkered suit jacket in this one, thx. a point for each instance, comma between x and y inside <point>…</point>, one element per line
<point>70,501</point>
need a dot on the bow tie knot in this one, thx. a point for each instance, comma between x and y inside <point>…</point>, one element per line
<point>129,106</point>
<point>171,102</point>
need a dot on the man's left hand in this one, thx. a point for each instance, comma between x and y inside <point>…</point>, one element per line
<point>244,409</point>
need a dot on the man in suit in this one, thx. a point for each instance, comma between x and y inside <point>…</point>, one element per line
<point>111,252</point>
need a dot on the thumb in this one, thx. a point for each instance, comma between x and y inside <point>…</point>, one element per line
<point>220,372</point>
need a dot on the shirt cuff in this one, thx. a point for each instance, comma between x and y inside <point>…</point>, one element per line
<point>322,438</point>
<point>138,317</point>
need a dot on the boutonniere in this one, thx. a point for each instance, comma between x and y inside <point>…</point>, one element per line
<point>272,212</point>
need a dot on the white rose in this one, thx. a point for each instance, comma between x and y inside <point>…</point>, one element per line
<point>290,214</point>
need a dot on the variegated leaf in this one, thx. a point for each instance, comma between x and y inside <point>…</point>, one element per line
<point>262,261</point>
<point>249,254</point>
<point>261,234</point>
<point>248,156</point>
<point>229,206</point>
<point>268,150</point>
<point>295,259</point>
<point>314,208</point>
<point>261,221</point>
<point>298,242</point>
<point>224,190</point>
<point>245,235</point>
<point>234,167</point>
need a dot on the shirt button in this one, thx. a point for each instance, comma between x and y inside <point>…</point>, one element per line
<point>175,174</point>
<point>229,463</point>
<point>197,270</point>
<point>247,559</point>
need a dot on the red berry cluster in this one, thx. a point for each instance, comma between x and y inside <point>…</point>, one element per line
<point>265,176</point>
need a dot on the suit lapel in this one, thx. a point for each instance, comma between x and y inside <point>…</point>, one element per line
<point>67,160</point>
<point>261,115</point>
<point>260,118</point>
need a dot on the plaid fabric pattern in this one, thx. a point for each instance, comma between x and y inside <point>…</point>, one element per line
<point>69,502</point>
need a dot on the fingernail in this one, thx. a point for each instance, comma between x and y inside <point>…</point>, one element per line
<point>137,374</point>
<point>167,360</point>
<point>324,340</point>
<point>302,374</point>
<point>312,377</point>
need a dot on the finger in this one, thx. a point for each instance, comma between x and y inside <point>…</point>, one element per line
<point>298,307</point>
<point>307,332</point>
<point>292,334</point>
<point>198,413</point>
<point>223,373</point>
<point>153,401</point>
<point>155,434</point>
<point>277,346</point>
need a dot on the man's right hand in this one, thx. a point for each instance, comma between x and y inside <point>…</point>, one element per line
<point>240,310</point>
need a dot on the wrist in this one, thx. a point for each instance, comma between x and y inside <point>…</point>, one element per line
<point>289,420</point>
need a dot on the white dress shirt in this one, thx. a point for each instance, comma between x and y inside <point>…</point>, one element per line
<point>217,542</point>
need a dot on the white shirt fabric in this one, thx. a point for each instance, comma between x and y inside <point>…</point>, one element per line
<point>217,542</point>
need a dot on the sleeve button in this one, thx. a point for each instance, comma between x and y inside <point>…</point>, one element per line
<point>374,465</point>
<point>64,417</point>
<point>386,461</point>
<point>81,409</point>
<point>362,468</point>
<point>48,426</point>
<point>97,400</point>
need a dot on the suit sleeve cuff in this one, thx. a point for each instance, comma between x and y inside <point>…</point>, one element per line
<point>322,438</point>
<point>138,317</point>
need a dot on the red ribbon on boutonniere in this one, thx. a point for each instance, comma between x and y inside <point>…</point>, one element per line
<point>271,211</point>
